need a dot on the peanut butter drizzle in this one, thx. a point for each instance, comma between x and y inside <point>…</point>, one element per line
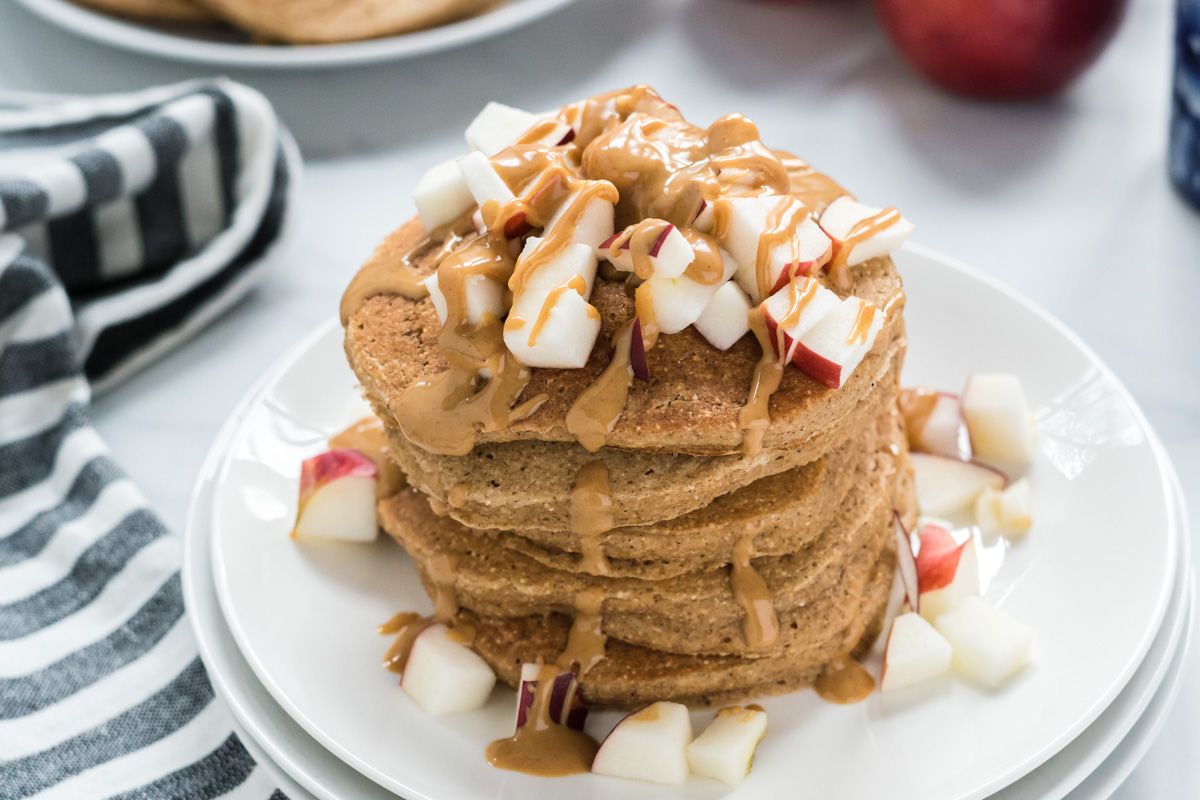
<point>862,323</point>
<point>595,412</point>
<point>368,437</point>
<point>575,284</point>
<point>542,746</point>
<point>916,407</point>
<point>844,681</point>
<point>781,228</point>
<point>407,626</point>
<point>839,273</point>
<point>443,573</point>
<point>815,189</point>
<point>755,416</point>
<point>591,515</point>
<point>586,640</point>
<point>760,625</point>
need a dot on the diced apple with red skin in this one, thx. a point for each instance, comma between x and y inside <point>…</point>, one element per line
<point>817,302</point>
<point>725,749</point>
<point>443,675</point>
<point>843,214</point>
<point>482,179</point>
<point>915,653</point>
<point>998,419</point>
<point>679,302</point>
<point>566,701</point>
<point>648,745</point>
<point>947,485</point>
<point>669,255</point>
<point>990,647</point>
<point>484,296</point>
<point>748,221</point>
<point>726,318</point>
<point>595,225</point>
<point>830,351</point>
<point>337,497</point>
<point>497,126</point>
<point>941,431</point>
<point>947,571</point>
<point>442,195</point>
<point>1008,512</point>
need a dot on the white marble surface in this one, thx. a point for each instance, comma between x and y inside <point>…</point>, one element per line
<point>1067,200</point>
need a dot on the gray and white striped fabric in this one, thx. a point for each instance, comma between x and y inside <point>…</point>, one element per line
<point>126,223</point>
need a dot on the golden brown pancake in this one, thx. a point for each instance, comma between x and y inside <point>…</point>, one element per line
<point>327,21</point>
<point>153,10</point>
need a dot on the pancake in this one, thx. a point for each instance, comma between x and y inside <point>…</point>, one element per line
<point>322,21</point>
<point>690,405</point>
<point>153,10</point>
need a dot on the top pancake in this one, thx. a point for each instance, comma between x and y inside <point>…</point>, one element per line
<point>690,405</point>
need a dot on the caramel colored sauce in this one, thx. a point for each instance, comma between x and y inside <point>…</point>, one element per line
<point>542,746</point>
<point>406,626</point>
<point>595,412</point>
<point>781,228</point>
<point>443,572</point>
<point>844,681</point>
<point>864,229</point>
<point>916,406</point>
<point>576,284</point>
<point>862,323</point>
<point>457,496</point>
<point>754,416</point>
<point>586,639</point>
<point>369,438</point>
<point>591,514</point>
<point>760,625</point>
<point>815,189</point>
<point>800,294</point>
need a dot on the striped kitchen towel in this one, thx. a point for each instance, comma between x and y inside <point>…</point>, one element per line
<point>126,223</point>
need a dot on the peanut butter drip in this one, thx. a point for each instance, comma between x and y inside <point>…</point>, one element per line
<point>368,437</point>
<point>839,270</point>
<point>916,407</point>
<point>844,681</point>
<point>814,189</point>
<point>781,230</point>
<point>755,415</point>
<point>443,573</point>
<point>595,412</point>
<point>586,640</point>
<point>406,626</point>
<point>542,746</point>
<point>444,413</point>
<point>592,515</point>
<point>760,626</point>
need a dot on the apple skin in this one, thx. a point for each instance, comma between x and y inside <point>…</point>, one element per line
<point>1001,49</point>
<point>937,560</point>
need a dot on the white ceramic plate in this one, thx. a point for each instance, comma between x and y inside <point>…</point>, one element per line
<point>1094,579</point>
<point>201,45</point>
<point>274,738</point>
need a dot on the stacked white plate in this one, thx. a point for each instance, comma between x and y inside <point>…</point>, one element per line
<point>287,629</point>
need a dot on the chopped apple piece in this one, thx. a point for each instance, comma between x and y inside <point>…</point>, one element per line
<point>435,295</point>
<point>989,646</point>
<point>669,255</point>
<point>946,485</point>
<point>915,653</point>
<point>443,675</point>
<point>497,126</point>
<point>750,219</point>
<point>998,419</point>
<point>566,701</point>
<point>726,318</point>
<point>595,224</point>
<point>934,423</point>
<point>337,497</point>
<point>554,329</point>
<point>679,302</point>
<point>482,179</point>
<point>1008,512</point>
<point>442,195</point>
<point>798,306</point>
<point>947,571</point>
<point>648,745</point>
<point>484,297</point>
<point>841,219</point>
<point>832,349</point>
<point>725,749</point>
<point>573,260</point>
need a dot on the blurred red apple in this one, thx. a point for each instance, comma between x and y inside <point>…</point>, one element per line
<point>1003,49</point>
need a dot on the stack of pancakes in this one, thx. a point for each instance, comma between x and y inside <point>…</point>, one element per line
<point>815,505</point>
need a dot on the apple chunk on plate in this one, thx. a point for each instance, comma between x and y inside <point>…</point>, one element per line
<point>933,422</point>
<point>915,653</point>
<point>443,675</point>
<point>1008,512</point>
<point>337,497</point>
<point>946,485</point>
<point>998,419</point>
<point>648,745</point>
<point>725,750</point>
<point>989,646</point>
<point>947,571</point>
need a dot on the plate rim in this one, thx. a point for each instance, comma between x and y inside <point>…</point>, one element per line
<point>142,38</point>
<point>1056,744</point>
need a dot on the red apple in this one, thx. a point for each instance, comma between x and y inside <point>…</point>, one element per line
<point>337,497</point>
<point>1001,49</point>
